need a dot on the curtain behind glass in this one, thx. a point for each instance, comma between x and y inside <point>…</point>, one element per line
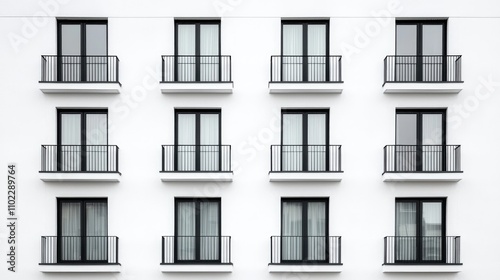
<point>291,243</point>
<point>406,51</point>
<point>186,223</point>
<point>209,51</point>
<point>316,227</point>
<point>186,150</point>
<point>406,141</point>
<point>432,231</point>
<point>209,231</point>
<point>432,134</point>
<point>70,62</point>
<point>97,231</point>
<point>186,49</point>
<point>97,50</point>
<point>70,156</point>
<point>316,50</point>
<point>432,49</point>
<point>406,231</point>
<point>209,141</point>
<point>292,149</point>
<point>316,137</point>
<point>97,140</point>
<point>70,239</point>
<point>292,61</point>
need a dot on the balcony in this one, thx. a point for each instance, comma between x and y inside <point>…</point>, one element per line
<point>422,163</point>
<point>196,254</point>
<point>423,74</point>
<point>196,74</point>
<point>305,163</point>
<point>79,254</point>
<point>80,74</point>
<point>422,254</point>
<point>305,254</point>
<point>306,74</point>
<point>80,163</point>
<point>194,163</point>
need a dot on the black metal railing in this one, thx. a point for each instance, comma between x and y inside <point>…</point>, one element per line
<point>423,68</point>
<point>78,249</point>
<point>196,68</point>
<point>196,249</point>
<point>306,249</point>
<point>306,68</point>
<point>422,249</point>
<point>80,69</point>
<point>79,158</point>
<point>197,158</point>
<point>422,158</point>
<point>306,158</point>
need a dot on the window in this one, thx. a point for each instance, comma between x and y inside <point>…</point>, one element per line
<point>421,50</point>
<point>197,140</point>
<point>304,140</point>
<point>197,51</point>
<point>197,229</point>
<point>82,229</point>
<point>82,49</point>
<point>304,230</point>
<point>82,138</point>
<point>421,140</point>
<point>305,50</point>
<point>420,229</point>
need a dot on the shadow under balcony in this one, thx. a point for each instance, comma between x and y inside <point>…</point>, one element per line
<point>305,163</point>
<point>422,254</point>
<point>423,74</point>
<point>79,254</point>
<point>422,163</point>
<point>305,254</point>
<point>80,163</point>
<point>195,163</point>
<point>80,74</point>
<point>306,74</point>
<point>196,254</point>
<point>196,74</point>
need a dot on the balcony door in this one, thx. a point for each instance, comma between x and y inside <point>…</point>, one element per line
<point>197,51</point>
<point>420,51</point>
<point>197,140</point>
<point>420,230</point>
<point>82,51</point>
<point>82,140</point>
<point>305,51</point>
<point>420,140</point>
<point>304,140</point>
<point>304,230</point>
<point>197,229</point>
<point>82,230</point>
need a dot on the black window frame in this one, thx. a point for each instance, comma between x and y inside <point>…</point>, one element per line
<point>305,243</point>
<point>197,201</point>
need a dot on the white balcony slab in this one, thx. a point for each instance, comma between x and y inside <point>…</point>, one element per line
<point>305,87</point>
<point>196,176</point>
<point>422,268</point>
<point>423,87</point>
<point>105,268</point>
<point>80,87</point>
<point>80,177</point>
<point>305,176</point>
<point>423,177</point>
<point>224,87</point>
<point>225,268</point>
<point>301,268</point>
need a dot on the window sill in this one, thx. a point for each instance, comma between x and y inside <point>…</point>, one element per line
<point>196,87</point>
<point>65,268</point>
<point>83,87</point>
<point>305,176</point>
<point>307,87</point>
<point>300,268</point>
<point>196,176</point>
<point>80,176</point>
<point>434,268</point>
<point>422,176</point>
<point>226,268</point>
<point>423,87</point>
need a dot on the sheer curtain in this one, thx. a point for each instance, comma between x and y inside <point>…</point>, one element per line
<point>291,150</point>
<point>97,134</point>
<point>292,61</point>
<point>432,231</point>
<point>186,133</point>
<point>432,134</point>
<point>291,243</point>
<point>316,223</point>
<point>97,231</point>
<point>406,231</point>
<point>316,137</point>
<point>70,240</point>
<point>209,139</point>
<point>71,130</point>
<point>209,231</point>
<point>432,49</point>
<point>209,51</point>
<point>406,141</point>
<point>186,233</point>
<point>186,49</point>
<point>96,50</point>
<point>316,48</point>
<point>70,63</point>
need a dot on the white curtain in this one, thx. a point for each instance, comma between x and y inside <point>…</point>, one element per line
<point>186,48</point>
<point>406,139</point>
<point>316,49</point>
<point>186,223</point>
<point>209,141</point>
<point>316,135</point>
<point>209,51</point>
<point>316,227</point>
<point>431,231</point>
<point>186,133</point>
<point>292,231</point>
<point>406,231</point>
<point>292,142</point>
<point>97,230</point>
<point>97,134</point>
<point>209,230</point>
<point>292,62</point>
<point>71,130</point>
<point>71,240</point>
<point>432,134</point>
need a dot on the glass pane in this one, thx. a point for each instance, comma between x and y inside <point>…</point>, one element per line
<point>71,39</point>
<point>432,139</point>
<point>70,239</point>
<point>316,227</point>
<point>292,149</point>
<point>70,153</point>
<point>186,223</point>
<point>316,136</point>
<point>209,230</point>
<point>97,231</point>
<point>209,140</point>
<point>432,231</point>
<point>186,48</point>
<point>406,231</point>
<point>292,61</point>
<point>186,133</point>
<point>316,50</point>
<point>406,39</point>
<point>432,39</point>
<point>96,39</point>
<point>291,243</point>
<point>406,129</point>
